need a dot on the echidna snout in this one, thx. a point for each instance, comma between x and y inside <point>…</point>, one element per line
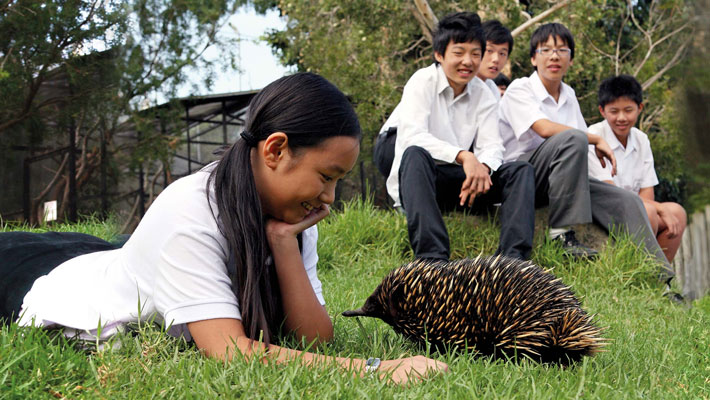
<point>378,305</point>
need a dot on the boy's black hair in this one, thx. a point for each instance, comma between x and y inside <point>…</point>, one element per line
<point>553,29</point>
<point>460,27</point>
<point>496,33</point>
<point>501,79</point>
<point>620,86</point>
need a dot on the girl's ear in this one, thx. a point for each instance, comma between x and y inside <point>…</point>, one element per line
<point>274,149</point>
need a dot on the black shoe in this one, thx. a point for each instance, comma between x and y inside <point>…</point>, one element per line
<point>573,248</point>
<point>673,296</point>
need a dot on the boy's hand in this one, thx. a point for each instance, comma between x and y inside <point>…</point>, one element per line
<point>478,179</point>
<point>603,150</point>
<point>669,220</point>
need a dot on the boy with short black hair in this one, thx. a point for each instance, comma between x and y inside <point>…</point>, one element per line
<point>502,82</point>
<point>499,45</point>
<point>541,122</point>
<point>620,103</point>
<point>448,151</point>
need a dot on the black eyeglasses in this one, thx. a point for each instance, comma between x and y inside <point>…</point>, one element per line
<point>547,52</point>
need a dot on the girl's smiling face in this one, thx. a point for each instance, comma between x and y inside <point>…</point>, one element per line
<point>291,184</point>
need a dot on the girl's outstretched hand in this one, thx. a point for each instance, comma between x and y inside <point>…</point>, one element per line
<point>411,369</point>
<point>276,229</point>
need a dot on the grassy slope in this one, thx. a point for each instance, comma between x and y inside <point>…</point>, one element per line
<point>658,350</point>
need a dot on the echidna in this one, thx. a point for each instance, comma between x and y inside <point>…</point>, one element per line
<point>495,305</point>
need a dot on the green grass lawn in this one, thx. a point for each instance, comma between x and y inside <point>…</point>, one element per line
<point>657,350</point>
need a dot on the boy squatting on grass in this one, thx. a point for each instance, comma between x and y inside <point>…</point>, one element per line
<point>541,122</point>
<point>447,149</point>
<point>224,257</point>
<point>620,103</point>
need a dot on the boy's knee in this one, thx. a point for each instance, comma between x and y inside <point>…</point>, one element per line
<point>416,162</point>
<point>576,139</point>
<point>517,166</point>
<point>627,200</point>
<point>413,153</point>
<point>522,169</point>
<point>679,212</point>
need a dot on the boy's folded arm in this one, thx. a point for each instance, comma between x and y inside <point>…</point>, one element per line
<point>546,128</point>
<point>520,109</point>
<point>595,168</point>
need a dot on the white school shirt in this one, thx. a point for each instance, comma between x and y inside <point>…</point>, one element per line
<point>634,164</point>
<point>392,121</point>
<point>493,87</point>
<point>525,101</point>
<point>173,267</point>
<point>430,117</point>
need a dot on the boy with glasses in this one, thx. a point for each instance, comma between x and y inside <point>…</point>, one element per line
<point>541,122</point>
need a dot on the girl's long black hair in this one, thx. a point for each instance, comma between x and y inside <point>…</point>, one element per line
<point>308,109</point>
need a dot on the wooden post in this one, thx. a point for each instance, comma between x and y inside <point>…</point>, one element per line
<point>678,266</point>
<point>705,268</point>
<point>26,202</point>
<point>687,262</point>
<point>72,174</point>
<point>189,143</point>
<point>701,265</point>
<point>224,122</point>
<point>141,190</point>
<point>103,172</point>
<point>363,185</point>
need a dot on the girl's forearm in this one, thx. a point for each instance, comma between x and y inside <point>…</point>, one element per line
<point>304,314</point>
<point>224,338</point>
<point>249,348</point>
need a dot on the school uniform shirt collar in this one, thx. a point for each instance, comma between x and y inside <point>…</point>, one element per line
<point>442,83</point>
<point>614,143</point>
<point>542,94</point>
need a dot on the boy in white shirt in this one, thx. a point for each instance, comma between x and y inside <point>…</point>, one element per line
<point>448,151</point>
<point>541,122</point>
<point>499,45</point>
<point>620,103</point>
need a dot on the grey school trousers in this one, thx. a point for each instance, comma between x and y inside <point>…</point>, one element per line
<point>562,182</point>
<point>427,188</point>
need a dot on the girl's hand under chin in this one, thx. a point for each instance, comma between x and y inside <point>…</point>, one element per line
<point>277,230</point>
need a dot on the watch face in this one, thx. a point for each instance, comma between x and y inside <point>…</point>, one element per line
<point>372,364</point>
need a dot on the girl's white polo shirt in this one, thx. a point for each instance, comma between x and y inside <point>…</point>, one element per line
<point>173,269</point>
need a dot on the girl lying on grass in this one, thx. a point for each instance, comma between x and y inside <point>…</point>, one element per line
<point>225,257</point>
